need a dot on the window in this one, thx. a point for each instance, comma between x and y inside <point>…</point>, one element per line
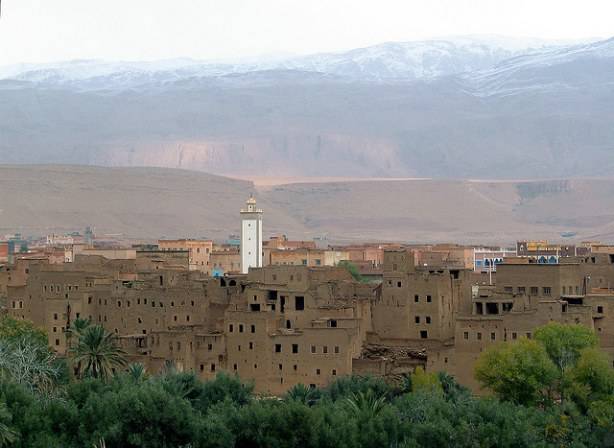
<point>332,323</point>
<point>317,371</point>
<point>234,366</point>
<point>547,291</point>
<point>399,284</point>
<point>429,299</point>
<point>424,334</point>
<point>466,335</point>
<point>528,335</point>
<point>417,319</point>
<point>318,262</point>
<point>55,316</point>
<point>336,349</point>
<point>600,309</point>
<point>508,289</point>
<point>202,367</point>
<point>277,348</point>
<point>281,367</point>
<point>253,328</point>
<point>479,336</point>
<point>334,372</point>
<point>304,262</point>
<point>294,348</point>
<point>521,290</point>
<point>230,328</point>
<point>493,336</point>
<point>251,345</point>
<point>325,349</point>
<point>313,349</point>
<point>428,319</point>
<point>534,290</point>
<point>213,367</point>
<point>514,335</point>
<point>240,328</point>
<point>299,303</point>
<point>416,298</point>
<point>209,347</point>
<point>57,342</point>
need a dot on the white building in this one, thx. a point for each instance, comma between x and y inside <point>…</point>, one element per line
<point>251,236</point>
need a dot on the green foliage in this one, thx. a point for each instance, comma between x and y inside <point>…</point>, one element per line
<point>425,382</point>
<point>96,353</point>
<point>13,330</point>
<point>563,343</point>
<point>25,361</point>
<point>349,385</point>
<point>520,372</point>
<point>7,435</point>
<point>353,270</point>
<point>303,394</point>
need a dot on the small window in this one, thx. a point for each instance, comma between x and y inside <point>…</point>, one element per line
<point>325,349</point>
<point>332,323</point>
<point>317,371</point>
<point>479,336</point>
<point>424,334</point>
<point>230,328</point>
<point>334,372</point>
<point>514,335</point>
<point>416,298</point>
<point>253,328</point>
<point>600,309</point>
<point>534,290</point>
<point>528,335</point>
<point>417,319</point>
<point>209,347</point>
<point>213,367</point>
<point>313,349</point>
<point>399,284</point>
<point>493,336</point>
<point>429,299</point>
<point>466,335</point>
<point>299,303</point>
<point>547,291</point>
<point>428,319</point>
<point>294,348</point>
<point>277,348</point>
<point>240,328</point>
<point>336,349</point>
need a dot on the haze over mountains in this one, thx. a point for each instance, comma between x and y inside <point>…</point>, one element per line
<point>155,202</point>
<point>465,108</point>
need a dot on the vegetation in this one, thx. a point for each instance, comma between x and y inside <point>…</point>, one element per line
<point>353,270</point>
<point>134,408</point>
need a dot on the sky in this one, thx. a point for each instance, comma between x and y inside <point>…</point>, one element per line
<point>57,30</point>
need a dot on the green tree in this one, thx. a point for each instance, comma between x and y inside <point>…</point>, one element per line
<point>303,394</point>
<point>29,363</point>
<point>422,381</point>
<point>591,380</point>
<point>353,270</point>
<point>564,342</point>
<point>12,329</point>
<point>96,354</point>
<point>520,371</point>
<point>7,435</point>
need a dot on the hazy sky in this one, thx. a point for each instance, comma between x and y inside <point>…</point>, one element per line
<point>52,30</point>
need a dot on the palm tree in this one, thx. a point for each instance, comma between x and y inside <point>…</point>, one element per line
<point>365,406</point>
<point>303,394</point>
<point>136,372</point>
<point>29,363</point>
<point>97,354</point>
<point>7,435</point>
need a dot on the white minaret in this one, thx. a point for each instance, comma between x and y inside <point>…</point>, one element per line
<point>251,236</point>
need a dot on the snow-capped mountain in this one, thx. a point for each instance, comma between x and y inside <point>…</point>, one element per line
<point>470,107</point>
<point>547,69</point>
<point>393,61</point>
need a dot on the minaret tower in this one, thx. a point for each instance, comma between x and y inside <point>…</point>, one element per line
<point>251,236</point>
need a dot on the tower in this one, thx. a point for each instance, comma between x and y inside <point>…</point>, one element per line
<point>251,236</point>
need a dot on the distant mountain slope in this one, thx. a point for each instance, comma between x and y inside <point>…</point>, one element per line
<point>548,113</point>
<point>154,202</point>
<point>387,61</point>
